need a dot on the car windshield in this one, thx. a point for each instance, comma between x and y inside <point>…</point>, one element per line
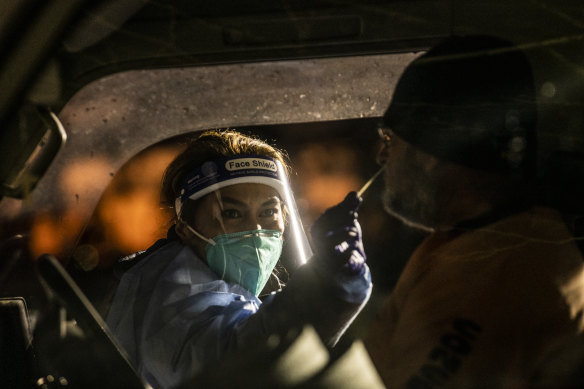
<point>135,122</point>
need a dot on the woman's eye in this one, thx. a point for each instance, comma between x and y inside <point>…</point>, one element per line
<point>231,213</point>
<point>269,212</point>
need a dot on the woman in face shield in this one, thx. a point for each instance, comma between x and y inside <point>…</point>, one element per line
<point>193,297</point>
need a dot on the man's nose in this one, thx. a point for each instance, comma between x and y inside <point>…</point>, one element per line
<point>382,154</point>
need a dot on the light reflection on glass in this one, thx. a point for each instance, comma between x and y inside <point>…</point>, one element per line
<point>327,172</point>
<point>129,217</point>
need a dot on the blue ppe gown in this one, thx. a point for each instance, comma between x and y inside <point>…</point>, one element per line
<point>173,315</point>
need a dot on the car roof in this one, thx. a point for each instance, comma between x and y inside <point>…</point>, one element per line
<point>87,40</point>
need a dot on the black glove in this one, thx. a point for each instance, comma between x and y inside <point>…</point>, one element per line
<point>336,236</point>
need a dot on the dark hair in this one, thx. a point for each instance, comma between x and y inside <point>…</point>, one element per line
<point>209,146</point>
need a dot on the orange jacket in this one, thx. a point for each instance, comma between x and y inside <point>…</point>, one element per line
<point>498,306</point>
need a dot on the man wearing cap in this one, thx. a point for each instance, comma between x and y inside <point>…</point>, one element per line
<point>493,298</point>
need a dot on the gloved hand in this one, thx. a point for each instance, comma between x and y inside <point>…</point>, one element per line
<point>336,236</point>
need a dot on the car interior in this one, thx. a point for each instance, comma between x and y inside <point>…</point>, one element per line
<point>99,96</point>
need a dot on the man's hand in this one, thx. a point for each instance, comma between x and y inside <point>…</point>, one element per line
<point>336,236</point>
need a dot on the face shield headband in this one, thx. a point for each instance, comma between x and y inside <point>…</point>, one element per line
<point>241,169</point>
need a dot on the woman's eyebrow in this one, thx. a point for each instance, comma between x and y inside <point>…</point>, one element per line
<point>233,201</point>
<point>273,201</point>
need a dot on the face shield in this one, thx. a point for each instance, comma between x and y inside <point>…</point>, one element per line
<point>245,217</point>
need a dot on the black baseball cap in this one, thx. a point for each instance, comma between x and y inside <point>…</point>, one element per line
<point>470,100</point>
